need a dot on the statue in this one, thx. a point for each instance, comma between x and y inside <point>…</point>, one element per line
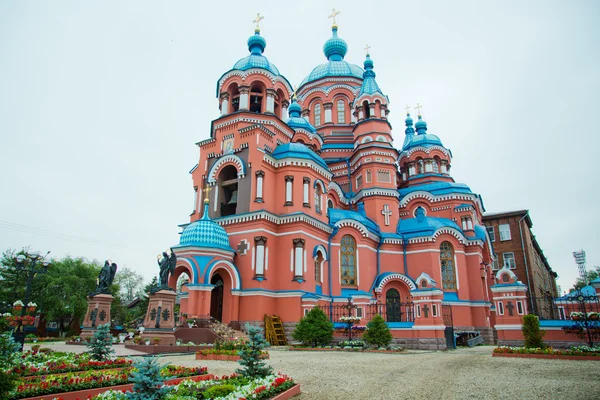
<point>106,277</point>
<point>167,266</point>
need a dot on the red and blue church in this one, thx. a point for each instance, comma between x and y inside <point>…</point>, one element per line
<point>302,199</point>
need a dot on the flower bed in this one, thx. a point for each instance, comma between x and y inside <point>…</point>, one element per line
<point>223,355</point>
<point>44,339</point>
<point>232,387</point>
<point>75,381</point>
<point>353,349</point>
<point>574,353</point>
<point>58,367</point>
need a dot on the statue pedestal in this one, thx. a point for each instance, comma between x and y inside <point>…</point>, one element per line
<point>98,313</point>
<point>160,320</point>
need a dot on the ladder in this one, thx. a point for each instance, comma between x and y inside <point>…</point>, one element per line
<point>274,331</point>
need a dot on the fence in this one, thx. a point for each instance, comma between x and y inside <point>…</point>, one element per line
<point>392,311</point>
<point>562,308</point>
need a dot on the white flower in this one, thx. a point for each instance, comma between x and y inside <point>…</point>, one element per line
<point>18,303</point>
<point>31,304</point>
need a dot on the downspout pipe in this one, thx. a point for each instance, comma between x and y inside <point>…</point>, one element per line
<point>526,266</point>
<point>333,233</point>
<point>349,179</point>
<point>404,243</point>
<point>378,258</point>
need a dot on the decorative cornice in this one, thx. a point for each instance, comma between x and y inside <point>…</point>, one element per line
<point>391,277</point>
<point>336,188</point>
<point>374,192</point>
<point>275,219</point>
<point>298,162</point>
<point>229,158</point>
<point>254,71</point>
<point>317,87</point>
<point>427,150</point>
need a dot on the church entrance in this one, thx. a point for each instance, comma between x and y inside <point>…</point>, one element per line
<point>392,303</point>
<point>216,298</point>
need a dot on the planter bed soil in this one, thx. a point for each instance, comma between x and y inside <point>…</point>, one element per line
<point>546,356</point>
<point>288,394</point>
<point>88,393</point>
<point>355,349</point>
<point>165,349</point>
<point>224,357</point>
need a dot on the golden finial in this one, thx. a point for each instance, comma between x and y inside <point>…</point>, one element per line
<point>257,22</point>
<point>332,16</point>
<point>367,47</point>
<point>418,108</point>
<point>294,94</point>
<point>206,190</point>
<point>407,108</point>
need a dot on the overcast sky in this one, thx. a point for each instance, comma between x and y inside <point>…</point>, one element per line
<point>101,103</point>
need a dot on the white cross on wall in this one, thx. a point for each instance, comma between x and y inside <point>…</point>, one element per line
<point>386,213</point>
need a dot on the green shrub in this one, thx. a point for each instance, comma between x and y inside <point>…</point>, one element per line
<point>377,333</point>
<point>253,365</point>
<point>7,383</point>
<point>314,329</point>
<point>216,391</point>
<point>532,333</point>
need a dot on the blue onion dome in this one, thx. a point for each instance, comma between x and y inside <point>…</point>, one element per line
<point>295,121</point>
<point>256,46</point>
<point>421,126</point>
<point>294,110</point>
<point>335,48</point>
<point>369,85</point>
<point>368,64</point>
<point>409,125</point>
<point>205,233</point>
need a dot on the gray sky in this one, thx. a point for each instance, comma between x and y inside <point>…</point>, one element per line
<point>101,103</point>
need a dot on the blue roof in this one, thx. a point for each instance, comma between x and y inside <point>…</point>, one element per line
<point>437,188</point>
<point>586,291</point>
<point>412,227</point>
<point>205,233</point>
<point>335,49</point>
<point>300,123</point>
<point>422,138</point>
<point>297,150</point>
<point>337,146</point>
<point>336,215</point>
<point>256,46</point>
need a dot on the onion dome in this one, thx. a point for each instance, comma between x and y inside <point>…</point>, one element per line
<point>205,233</point>
<point>421,126</point>
<point>335,48</point>
<point>422,138</point>
<point>409,131</point>
<point>295,121</point>
<point>369,85</point>
<point>256,46</point>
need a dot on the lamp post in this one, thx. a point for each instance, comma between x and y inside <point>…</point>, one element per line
<point>31,264</point>
<point>350,307</point>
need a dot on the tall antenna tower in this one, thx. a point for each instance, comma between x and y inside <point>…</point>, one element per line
<point>580,261</point>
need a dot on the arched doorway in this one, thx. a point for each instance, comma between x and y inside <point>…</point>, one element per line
<point>228,190</point>
<point>392,305</point>
<point>216,299</point>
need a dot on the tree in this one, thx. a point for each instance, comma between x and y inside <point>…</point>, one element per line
<point>62,291</point>
<point>532,333</point>
<point>314,329</point>
<point>147,289</point>
<point>147,381</point>
<point>100,344</point>
<point>589,276</point>
<point>130,283</point>
<point>377,333</point>
<point>254,366</point>
<point>9,357</point>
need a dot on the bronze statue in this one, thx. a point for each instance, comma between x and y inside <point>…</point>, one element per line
<point>167,266</point>
<point>106,277</point>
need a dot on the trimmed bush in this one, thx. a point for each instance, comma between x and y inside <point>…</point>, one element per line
<point>377,333</point>
<point>314,329</point>
<point>532,333</point>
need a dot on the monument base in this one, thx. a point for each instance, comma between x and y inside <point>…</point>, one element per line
<point>160,311</point>
<point>98,313</point>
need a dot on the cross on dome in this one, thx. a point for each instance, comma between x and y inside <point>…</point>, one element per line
<point>407,108</point>
<point>333,15</point>
<point>257,22</point>
<point>418,108</point>
<point>206,190</point>
<point>367,47</point>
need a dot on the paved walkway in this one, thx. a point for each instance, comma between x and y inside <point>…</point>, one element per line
<point>459,374</point>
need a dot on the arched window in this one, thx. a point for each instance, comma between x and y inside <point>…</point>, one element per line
<point>348,261</point>
<point>318,261</point>
<point>227,191</point>
<point>448,270</point>
<point>366,109</point>
<point>317,193</point>
<point>317,115</point>
<point>420,168</point>
<point>329,203</point>
<point>436,166</point>
<point>341,112</point>
<point>392,305</point>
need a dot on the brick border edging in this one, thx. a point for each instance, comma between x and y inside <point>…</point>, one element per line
<point>546,356</point>
<point>83,394</point>
<point>348,350</point>
<point>288,394</point>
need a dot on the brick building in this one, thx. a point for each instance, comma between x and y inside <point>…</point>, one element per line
<point>515,244</point>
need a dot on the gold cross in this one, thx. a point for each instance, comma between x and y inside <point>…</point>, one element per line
<point>367,49</point>
<point>333,15</point>
<point>257,21</point>
<point>295,92</point>
<point>418,108</point>
<point>206,190</point>
<point>407,108</point>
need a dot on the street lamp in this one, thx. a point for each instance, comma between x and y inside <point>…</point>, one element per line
<point>31,264</point>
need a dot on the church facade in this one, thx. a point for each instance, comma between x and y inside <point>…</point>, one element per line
<point>310,203</point>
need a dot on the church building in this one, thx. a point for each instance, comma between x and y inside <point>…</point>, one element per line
<point>302,199</point>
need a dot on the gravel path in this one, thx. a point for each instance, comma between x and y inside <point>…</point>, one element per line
<point>459,374</point>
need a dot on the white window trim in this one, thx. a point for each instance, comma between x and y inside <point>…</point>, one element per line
<point>520,305</point>
<point>493,235</point>
<point>500,308</point>
<point>513,258</point>
<point>507,231</point>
